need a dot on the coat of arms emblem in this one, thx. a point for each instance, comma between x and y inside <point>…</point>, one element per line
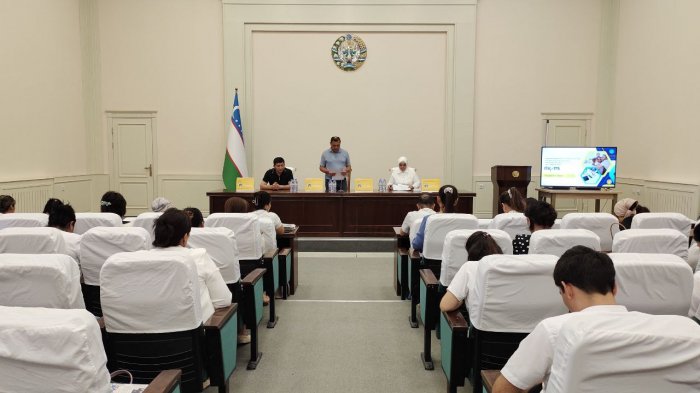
<point>349,52</point>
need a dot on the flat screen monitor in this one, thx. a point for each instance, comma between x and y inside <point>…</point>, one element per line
<point>579,167</point>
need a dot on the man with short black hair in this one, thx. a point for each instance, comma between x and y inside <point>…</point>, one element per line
<point>278,177</point>
<point>425,206</point>
<point>335,163</point>
<point>586,282</point>
<point>63,217</point>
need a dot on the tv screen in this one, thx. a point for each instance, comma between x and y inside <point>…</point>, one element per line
<point>581,167</point>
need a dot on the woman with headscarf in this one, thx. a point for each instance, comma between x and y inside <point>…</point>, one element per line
<point>403,177</point>
<point>625,210</point>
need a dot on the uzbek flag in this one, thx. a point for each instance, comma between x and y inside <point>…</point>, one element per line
<point>235,161</point>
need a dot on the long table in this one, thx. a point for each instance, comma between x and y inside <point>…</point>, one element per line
<point>354,214</point>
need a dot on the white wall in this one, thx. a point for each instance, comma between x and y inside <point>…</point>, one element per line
<point>531,57</point>
<point>658,90</point>
<point>41,107</point>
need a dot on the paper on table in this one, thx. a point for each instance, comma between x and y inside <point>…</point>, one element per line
<point>338,176</point>
<point>400,187</point>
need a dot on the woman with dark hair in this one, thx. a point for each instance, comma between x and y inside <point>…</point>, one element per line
<point>172,230</point>
<point>512,200</point>
<point>7,204</point>
<point>51,204</point>
<point>479,245</point>
<point>447,199</point>
<point>236,205</point>
<point>113,202</point>
<point>195,215</point>
<point>540,215</point>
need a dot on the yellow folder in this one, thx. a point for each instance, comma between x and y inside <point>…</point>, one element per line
<point>430,185</point>
<point>245,184</point>
<point>314,184</point>
<point>364,185</point>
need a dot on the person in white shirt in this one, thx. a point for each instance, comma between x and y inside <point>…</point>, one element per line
<point>172,230</point>
<point>586,282</point>
<point>262,202</point>
<point>63,217</point>
<point>403,176</point>
<point>425,206</point>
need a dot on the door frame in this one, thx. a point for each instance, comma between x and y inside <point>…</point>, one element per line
<point>152,115</point>
<point>586,116</point>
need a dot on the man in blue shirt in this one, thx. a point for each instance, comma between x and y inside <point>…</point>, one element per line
<point>335,163</point>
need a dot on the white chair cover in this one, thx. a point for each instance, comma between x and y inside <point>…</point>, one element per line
<point>40,280</point>
<point>513,223</point>
<point>50,350</point>
<point>85,221</point>
<point>149,292</point>
<point>652,241</point>
<point>693,256</point>
<point>100,243</point>
<point>23,240</point>
<point>675,221</point>
<point>146,221</point>
<point>220,244</point>
<point>653,283</point>
<point>695,299</point>
<point>557,241</point>
<point>439,225</point>
<point>513,293</point>
<point>605,225</point>
<point>484,223</point>
<point>246,226</point>
<point>557,224</point>
<point>454,252</point>
<point>630,353</point>
<point>23,220</point>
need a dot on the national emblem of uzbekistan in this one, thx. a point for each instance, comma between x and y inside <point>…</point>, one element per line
<point>349,52</point>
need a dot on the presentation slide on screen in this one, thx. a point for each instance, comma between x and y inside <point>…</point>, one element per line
<point>587,167</point>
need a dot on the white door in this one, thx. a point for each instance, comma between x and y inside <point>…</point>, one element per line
<point>132,169</point>
<point>568,132</point>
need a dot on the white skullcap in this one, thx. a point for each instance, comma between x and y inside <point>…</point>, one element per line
<point>160,204</point>
<point>403,159</point>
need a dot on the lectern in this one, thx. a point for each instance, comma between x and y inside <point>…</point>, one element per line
<point>504,177</point>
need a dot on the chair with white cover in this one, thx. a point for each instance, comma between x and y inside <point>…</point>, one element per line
<point>484,223</point>
<point>557,224</point>
<point>146,221</point>
<point>557,241</point>
<point>40,280</point>
<point>153,318</point>
<point>221,246</point>
<point>652,241</point>
<point>605,225</point>
<point>633,352</point>
<point>44,349</point>
<point>251,255</point>
<point>100,243</point>
<point>675,221</point>
<point>513,223</point>
<point>693,256</point>
<point>653,283</point>
<point>85,221</point>
<point>23,220</point>
<point>694,311</point>
<point>454,255</point>
<point>511,294</point>
<point>32,240</point>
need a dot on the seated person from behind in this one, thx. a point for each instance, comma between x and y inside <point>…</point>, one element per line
<point>113,202</point>
<point>172,230</point>
<point>7,204</point>
<point>195,216</point>
<point>512,200</point>
<point>51,204</point>
<point>586,282</point>
<point>425,205</point>
<point>160,205</point>
<point>479,245</point>
<point>626,209</point>
<point>63,217</point>
<point>447,199</point>
<point>278,177</point>
<point>236,205</point>
<point>262,201</point>
<point>403,177</point>
<point>540,215</point>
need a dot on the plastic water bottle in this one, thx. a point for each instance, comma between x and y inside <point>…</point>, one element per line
<point>293,185</point>
<point>331,185</point>
<point>382,185</point>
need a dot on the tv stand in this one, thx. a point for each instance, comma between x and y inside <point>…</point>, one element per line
<point>588,188</point>
<point>553,195</point>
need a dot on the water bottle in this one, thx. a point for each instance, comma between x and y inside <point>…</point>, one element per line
<point>331,185</point>
<point>382,185</point>
<point>293,185</point>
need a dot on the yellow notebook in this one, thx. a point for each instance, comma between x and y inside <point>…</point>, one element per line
<point>314,184</point>
<point>430,185</point>
<point>245,184</point>
<point>364,185</point>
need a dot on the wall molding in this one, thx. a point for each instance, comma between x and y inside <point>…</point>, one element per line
<point>82,191</point>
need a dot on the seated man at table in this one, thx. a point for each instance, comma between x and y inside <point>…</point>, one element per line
<point>586,282</point>
<point>425,205</point>
<point>278,177</point>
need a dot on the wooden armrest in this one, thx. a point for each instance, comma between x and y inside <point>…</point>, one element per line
<point>414,254</point>
<point>285,251</point>
<point>403,251</point>
<point>428,277</point>
<point>101,322</point>
<point>164,382</point>
<point>270,254</point>
<point>253,276</point>
<point>488,378</point>
<point>220,317</point>
<point>456,320</point>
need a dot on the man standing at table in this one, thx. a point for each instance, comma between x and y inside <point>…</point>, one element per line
<point>278,177</point>
<point>335,163</point>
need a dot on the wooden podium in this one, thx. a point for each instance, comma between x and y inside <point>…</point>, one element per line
<point>504,177</point>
